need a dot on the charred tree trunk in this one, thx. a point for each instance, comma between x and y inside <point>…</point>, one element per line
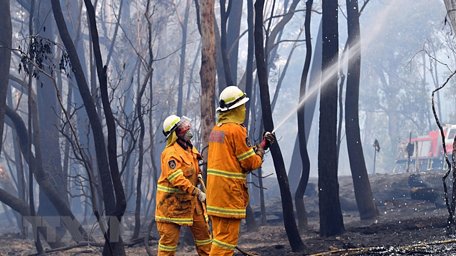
<point>363,192</point>
<point>299,196</point>
<point>114,209</point>
<point>21,183</point>
<point>142,132</point>
<point>250,220</point>
<point>31,125</point>
<point>309,110</point>
<point>224,13</point>
<point>331,222</point>
<point>232,39</point>
<point>109,175</point>
<point>250,60</point>
<point>5,58</point>
<point>287,202</point>
<point>49,111</point>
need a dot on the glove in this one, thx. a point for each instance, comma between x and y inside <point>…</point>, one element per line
<point>200,194</point>
<point>259,150</point>
<point>268,139</point>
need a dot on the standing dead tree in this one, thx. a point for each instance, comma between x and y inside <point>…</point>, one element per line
<point>5,57</point>
<point>451,166</point>
<point>113,194</point>
<point>287,202</point>
<point>363,191</point>
<point>331,221</point>
<point>299,195</point>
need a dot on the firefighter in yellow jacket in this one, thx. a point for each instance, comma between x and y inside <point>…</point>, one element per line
<point>230,158</point>
<point>179,200</point>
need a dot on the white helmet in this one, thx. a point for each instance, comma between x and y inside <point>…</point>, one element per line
<point>170,124</point>
<point>231,97</point>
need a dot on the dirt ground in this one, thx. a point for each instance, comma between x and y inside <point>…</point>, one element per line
<point>404,226</point>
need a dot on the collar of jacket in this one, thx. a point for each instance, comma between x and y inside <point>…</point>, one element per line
<point>184,144</point>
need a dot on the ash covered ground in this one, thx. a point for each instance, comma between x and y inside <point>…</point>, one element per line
<point>405,226</point>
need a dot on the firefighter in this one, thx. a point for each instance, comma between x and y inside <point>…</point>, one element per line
<point>179,200</point>
<point>230,158</point>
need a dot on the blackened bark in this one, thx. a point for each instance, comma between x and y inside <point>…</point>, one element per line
<point>113,206</point>
<point>331,222</point>
<point>5,58</point>
<point>309,109</point>
<point>287,202</point>
<point>223,44</point>
<point>114,245</point>
<point>49,112</point>
<point>250,60</point>
<point>363,191</point>
<point>250,220</point>
<point>232,39</point>
<point>299,196</point>
<point>142,132</point>
<point>89,104</point>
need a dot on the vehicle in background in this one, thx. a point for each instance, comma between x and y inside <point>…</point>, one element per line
<point>425,153</point>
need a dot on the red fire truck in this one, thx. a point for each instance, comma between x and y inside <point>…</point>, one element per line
<point>424,153</point>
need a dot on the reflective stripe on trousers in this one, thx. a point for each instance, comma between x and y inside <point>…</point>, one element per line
<point>225,232</point>
<point>169,236</point>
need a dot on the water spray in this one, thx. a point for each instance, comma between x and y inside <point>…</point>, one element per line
<point>334,67</point>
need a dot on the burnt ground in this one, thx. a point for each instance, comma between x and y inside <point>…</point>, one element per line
<point>405,226</point>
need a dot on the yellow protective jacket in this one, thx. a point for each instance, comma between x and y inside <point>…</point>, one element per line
<point>175,202</point>
<point>230,158</point>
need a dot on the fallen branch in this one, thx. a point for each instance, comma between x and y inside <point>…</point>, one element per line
<point>66,248</point>
<point>244,252</point>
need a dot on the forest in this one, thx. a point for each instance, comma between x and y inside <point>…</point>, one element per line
<point>358,93</point>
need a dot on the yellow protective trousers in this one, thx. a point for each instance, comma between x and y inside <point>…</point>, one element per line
<point>169,236</point>
<point>225,235</point>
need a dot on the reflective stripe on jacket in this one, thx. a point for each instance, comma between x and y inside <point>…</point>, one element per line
<point>179,176</point>
<point>230,157</point>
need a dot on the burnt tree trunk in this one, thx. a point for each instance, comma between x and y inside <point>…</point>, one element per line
<point>142,132</point>
<point>250,220</point>
<point>114,209</point>
<point>331,222</point>
<point>232,39</point>
<point>299,196</point>
<point>287,202</point>
<point>309,110</point>
<point>5,58</point>
<point>110,180</point>
<point>223,43</point>
<point>363,191</point>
